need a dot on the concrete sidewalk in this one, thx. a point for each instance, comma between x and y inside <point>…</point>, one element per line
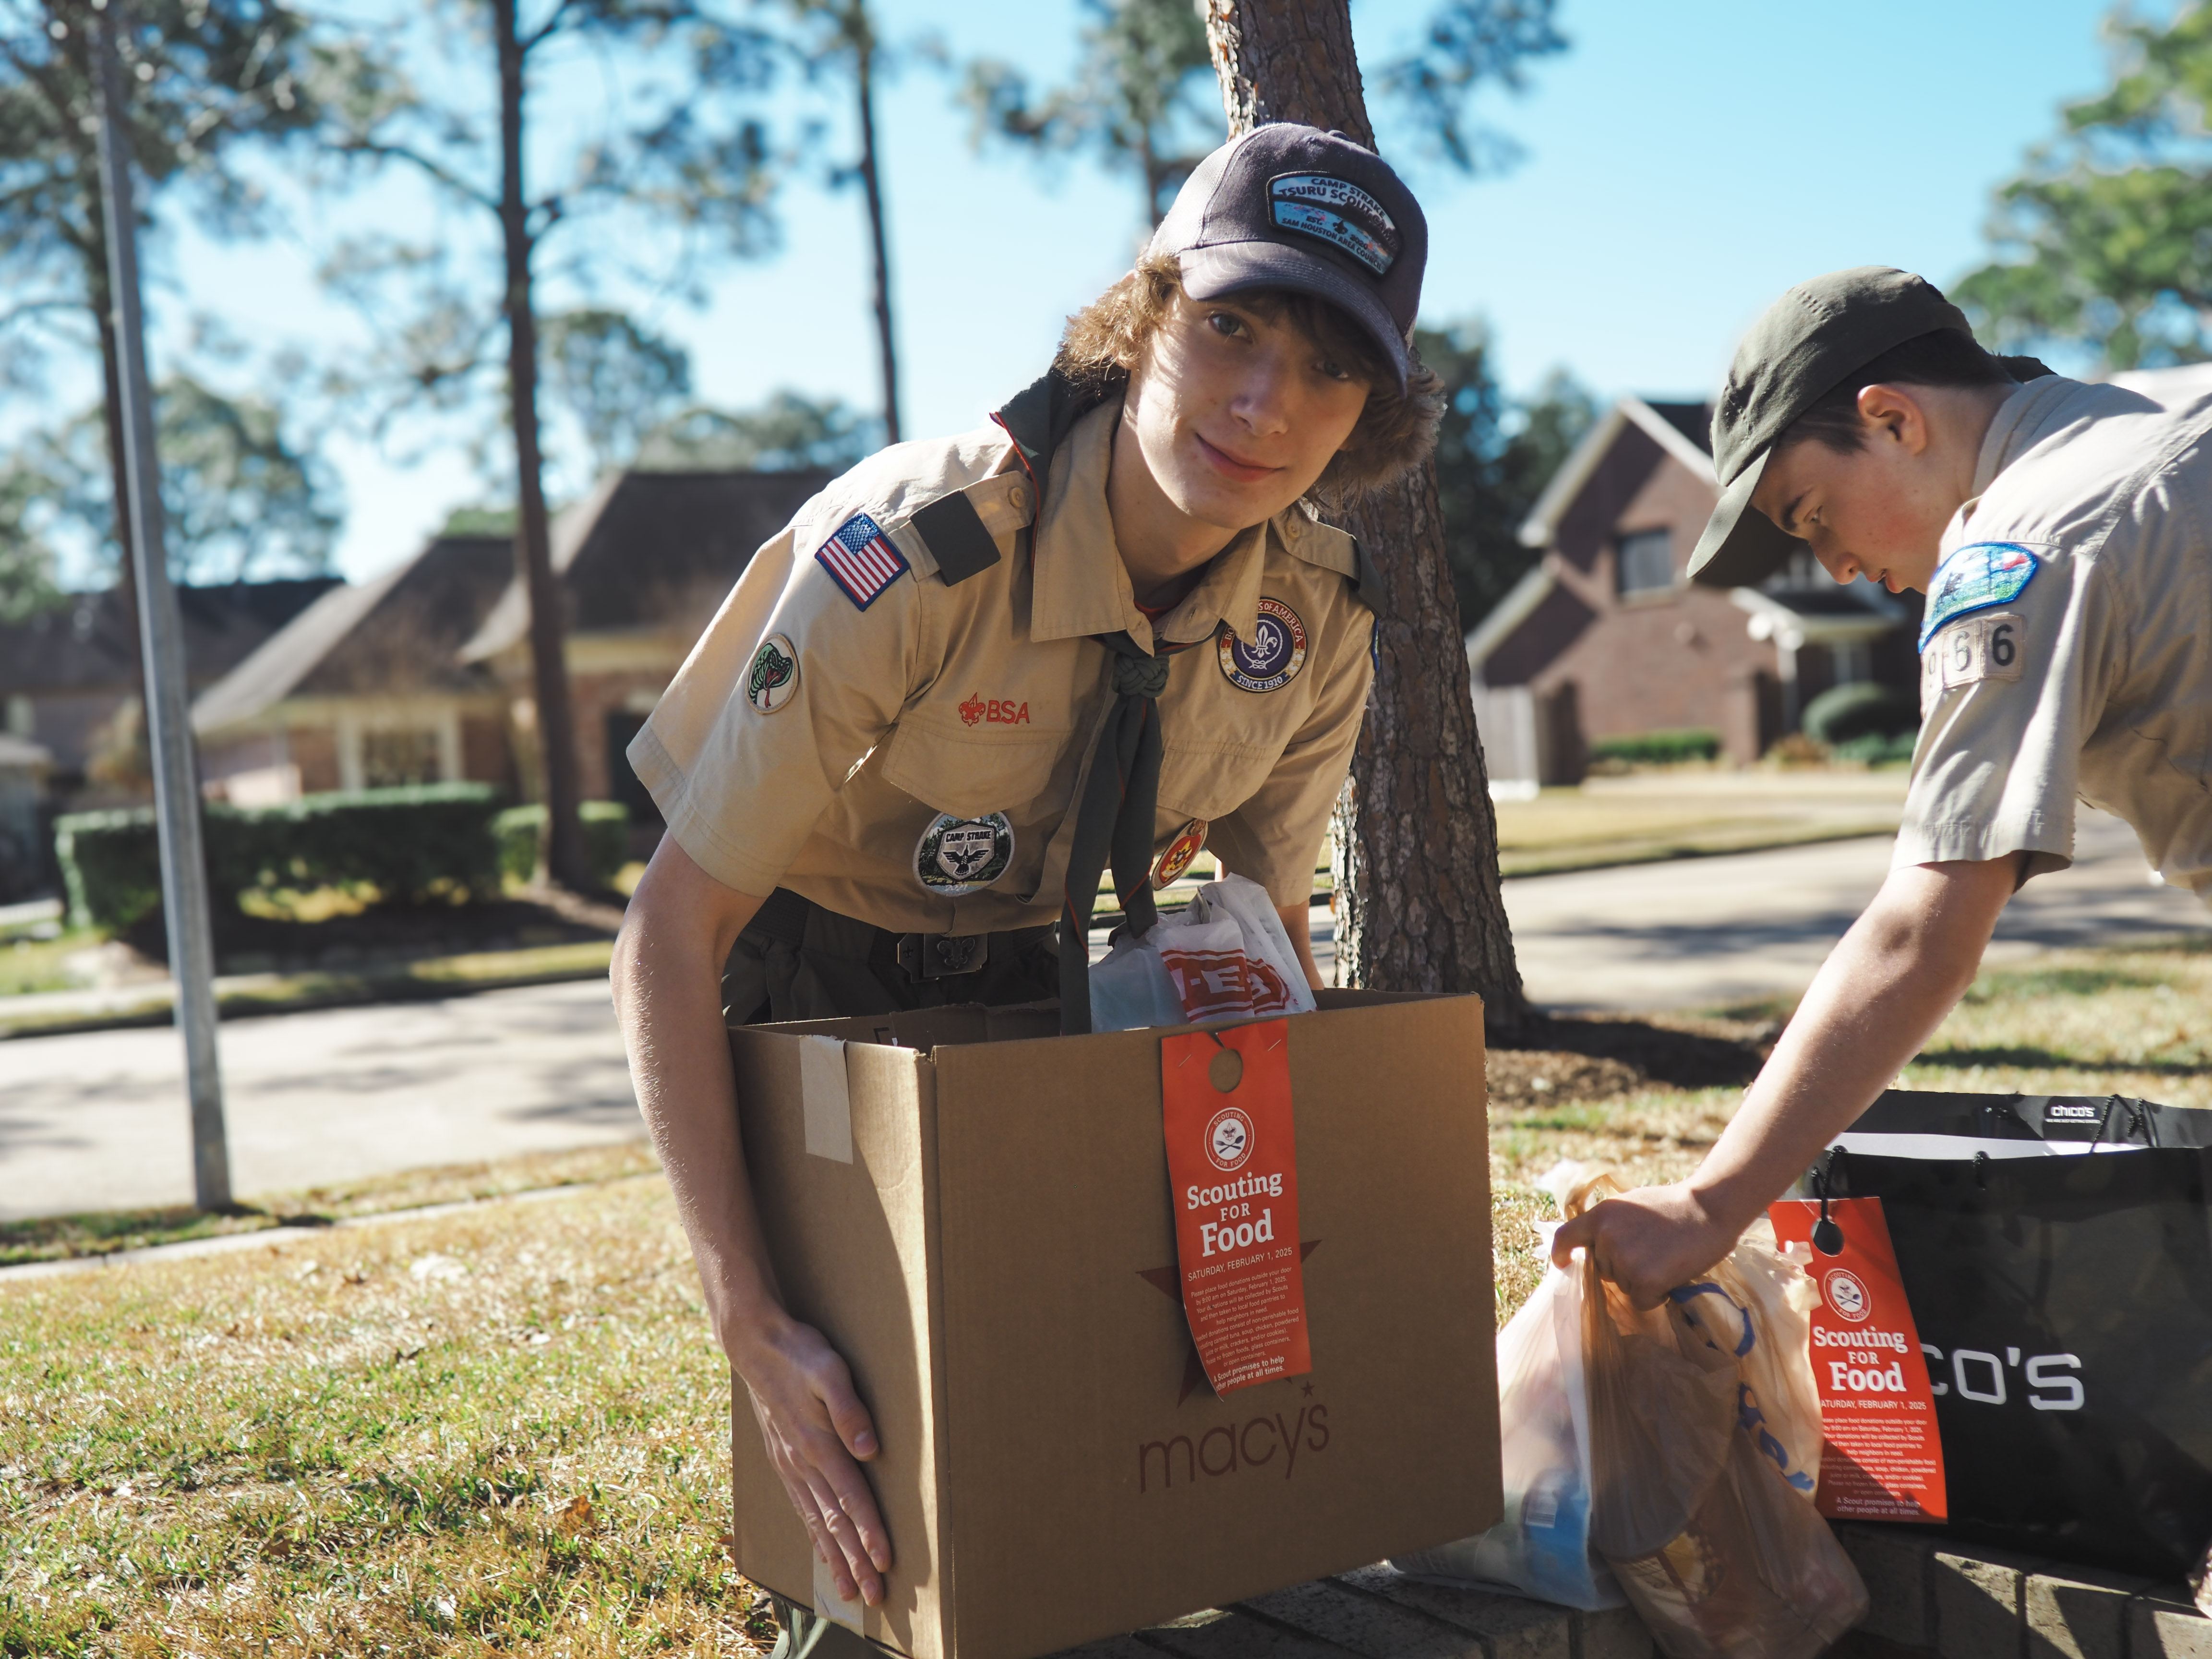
<point>96,1120</point>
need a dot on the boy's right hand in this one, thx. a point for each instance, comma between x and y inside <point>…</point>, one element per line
<point>815,1428</point>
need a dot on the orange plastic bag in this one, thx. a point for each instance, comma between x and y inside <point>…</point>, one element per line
<point>1699,1522</point>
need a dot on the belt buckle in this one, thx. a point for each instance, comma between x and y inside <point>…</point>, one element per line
<point>942,955</point>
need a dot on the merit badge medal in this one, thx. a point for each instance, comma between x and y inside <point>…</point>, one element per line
<point>1277,650</point>
<point>1189,841</point>
<point>1979,576</point>
<point>956,856</point>
<point>1233,1174</point>
<point>1883,1460</point>
<point>773,680</point>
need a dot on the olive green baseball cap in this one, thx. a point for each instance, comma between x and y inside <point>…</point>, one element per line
<point>1804,345</point>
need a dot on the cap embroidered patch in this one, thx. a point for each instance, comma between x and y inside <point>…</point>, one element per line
<point>774,679</point>
<point>1188,842</point>
<point>1975,577</point>
<point>955,856</point>
<point>1277,650</point>
<point>862,560</point>
<point>1337,212</point>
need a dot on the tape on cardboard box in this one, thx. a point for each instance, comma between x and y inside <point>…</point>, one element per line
<point>825,1098</point>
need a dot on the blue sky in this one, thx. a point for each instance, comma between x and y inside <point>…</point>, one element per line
<point>1684,162</point>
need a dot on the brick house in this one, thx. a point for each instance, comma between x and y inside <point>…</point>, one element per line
<point>423,674</point>
<point>66,674</point>
<point>1606,637</point>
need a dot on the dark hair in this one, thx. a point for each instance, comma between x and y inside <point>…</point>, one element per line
<point>1395,433</point>
<point>1947,357</point>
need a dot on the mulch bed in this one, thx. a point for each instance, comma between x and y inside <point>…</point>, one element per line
<point>1551,1061</point>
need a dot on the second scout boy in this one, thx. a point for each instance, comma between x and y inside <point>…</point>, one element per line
<point>1109,627</point>
<point>2063,533</point>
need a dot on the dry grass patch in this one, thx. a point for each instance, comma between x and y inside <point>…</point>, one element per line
<point>501,1430</point>
<point>54,1238</point>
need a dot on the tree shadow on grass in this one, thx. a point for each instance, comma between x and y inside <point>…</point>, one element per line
<point>2046,1059</point>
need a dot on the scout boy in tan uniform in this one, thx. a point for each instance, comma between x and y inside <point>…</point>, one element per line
<point>972,672</point>
<point>2063,533</point>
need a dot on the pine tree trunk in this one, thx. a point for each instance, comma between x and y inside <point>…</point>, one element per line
<point>864,78</point>
<point>534,550</point>
<point>1419,906</point>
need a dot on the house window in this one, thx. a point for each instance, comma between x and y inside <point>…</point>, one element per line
<point>399,755</point>
<point>1646,561</point>
<point>1802,571</point>
<point>1854,662</point>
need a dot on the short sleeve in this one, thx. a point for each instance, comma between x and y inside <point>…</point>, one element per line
<point>791,686</point>
<point>2009,695</point>
<point>1275,836</point>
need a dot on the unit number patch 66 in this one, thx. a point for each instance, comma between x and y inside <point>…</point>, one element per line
<point>1989,647</point>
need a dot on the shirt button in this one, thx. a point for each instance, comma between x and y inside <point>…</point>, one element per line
<point>1018,499</point>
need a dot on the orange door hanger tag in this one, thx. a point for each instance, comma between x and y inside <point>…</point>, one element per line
<point>1883,1460</point>
<point>1233,1173</point>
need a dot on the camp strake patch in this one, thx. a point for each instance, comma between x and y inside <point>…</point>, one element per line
<point>956,856</point>
<point>1975,577</point>
<point>1277,650</point>
<point>773,679</point>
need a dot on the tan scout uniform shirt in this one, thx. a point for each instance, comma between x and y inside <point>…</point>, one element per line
<point>2095,677</point>
<point>983,696</point>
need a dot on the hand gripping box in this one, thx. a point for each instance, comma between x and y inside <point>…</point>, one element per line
<point>975,1211</point>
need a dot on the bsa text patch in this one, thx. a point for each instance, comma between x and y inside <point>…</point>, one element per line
<point>1277,650</point>
<point>1985,646</point>
<point>1337,212</point>
<point>1188,842</point>
<point>862,560</point>
<point>1979,576</point>
<point>773,680</point>
<point>955,856</point>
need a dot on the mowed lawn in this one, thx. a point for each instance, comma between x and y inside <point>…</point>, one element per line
<point>507,1430</point>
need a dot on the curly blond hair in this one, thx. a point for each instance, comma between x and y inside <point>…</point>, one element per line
<point>1395,433</point>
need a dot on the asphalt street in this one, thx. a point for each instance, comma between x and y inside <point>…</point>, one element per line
<point>96,1120</point>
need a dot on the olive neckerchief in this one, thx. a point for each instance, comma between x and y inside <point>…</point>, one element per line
<point>1114,818</point>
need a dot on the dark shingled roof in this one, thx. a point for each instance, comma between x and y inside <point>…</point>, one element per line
<point>395,634</point>
<point>91,643</point>
<point>653,552</point>
<point>1693,421</point>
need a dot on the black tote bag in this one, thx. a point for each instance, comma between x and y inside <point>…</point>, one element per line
<point>2057,1252</point>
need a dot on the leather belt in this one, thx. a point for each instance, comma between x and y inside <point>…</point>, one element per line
<point>783,913</point>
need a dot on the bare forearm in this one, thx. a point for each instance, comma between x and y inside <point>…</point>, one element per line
<point>1881,994</point>
<point>667,985</point>
<point>1297,922</point>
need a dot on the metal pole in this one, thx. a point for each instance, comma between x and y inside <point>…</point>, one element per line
<point>176,794</point>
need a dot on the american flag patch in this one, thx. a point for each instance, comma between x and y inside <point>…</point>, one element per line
<point>861,559</point>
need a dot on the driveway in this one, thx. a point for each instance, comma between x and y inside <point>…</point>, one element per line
<point>1706,933</point>
<point>96,1120</point>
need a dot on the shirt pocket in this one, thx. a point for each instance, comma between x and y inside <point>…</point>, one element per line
<point>1211,781</point>
<point>970,774</point>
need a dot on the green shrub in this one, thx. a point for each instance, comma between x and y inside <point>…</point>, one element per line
<point>1845,712</point>
<point>1659,748</point>
<point>431,841</point>
<point>520,830</point>
<point>1875,750</point>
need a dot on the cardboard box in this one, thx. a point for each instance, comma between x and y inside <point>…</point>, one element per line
<point>975,1211</point>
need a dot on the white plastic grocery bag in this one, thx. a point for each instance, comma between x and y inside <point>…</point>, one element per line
<point>1542,1546</point>
<point>1225,958</point>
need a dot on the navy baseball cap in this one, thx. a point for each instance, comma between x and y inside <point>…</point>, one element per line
<point>1292,206</point>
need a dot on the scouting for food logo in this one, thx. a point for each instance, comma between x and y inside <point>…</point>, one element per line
<point>1276,653</point>
<point>1228,1139</point>
<point>774,679</point>
<point>956,856</point>
<point>1844,1295</point>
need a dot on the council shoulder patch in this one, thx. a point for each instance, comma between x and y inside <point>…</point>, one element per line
<point>862,560</point>
<point>1276,653</point>
<point>956,856</point>
<point>1976,577</point>
<point>773,680</point>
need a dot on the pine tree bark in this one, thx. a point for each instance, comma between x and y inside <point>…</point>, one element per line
<point>533,550</point>
<point>1419,906</point>
<point>864,80</point>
